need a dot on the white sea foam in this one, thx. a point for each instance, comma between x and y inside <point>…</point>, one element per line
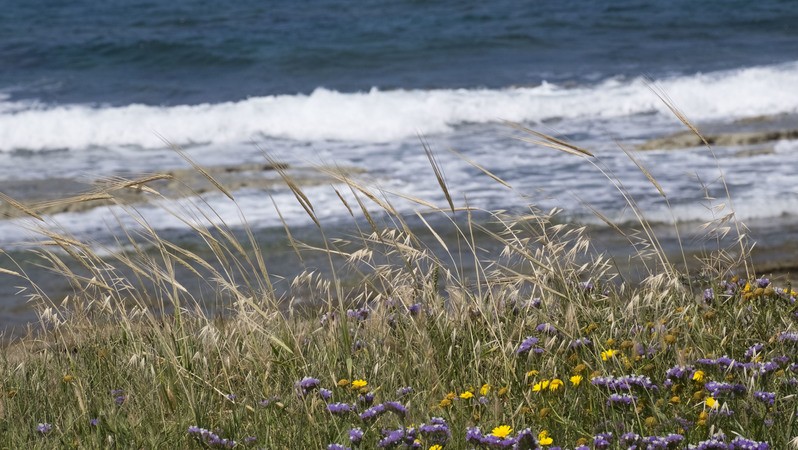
<point>385,116</point>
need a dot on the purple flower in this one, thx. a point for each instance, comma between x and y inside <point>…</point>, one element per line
<point>339,409</point>
<point>765,397</point>
<point>366,400</point>
<point>325,394</point>
<point>762,282</point>
<point>718,388</point>
<point>404,391</point>
<point>358,345</point>
<point>436,432</point>
<point>44,428</point>
<point>546,328</point>
<point>742,443</point>
<point>526,345</point>
<point>525,440</point>
<point>397,408</point>
<point>414,309</point>
<point>754,350</point>
<point>788,336</point>
<point>372,413</point>
<point>709,295</point>
<point>621,399</point>
<point>231,397</point>
<point>307,385</point>
<point>586,286</point>
<point>355,436</point>
<point>392,438</point>
<point>602,441</point>
<point>120,399</point>
<point>473,435</point>
<point>359,314</point>
<point>94,422</point>
<point>337,447</point>
<point>581,342</point>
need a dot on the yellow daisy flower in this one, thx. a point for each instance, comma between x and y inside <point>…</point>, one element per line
<point>357,384</point>
<point>502,431</point>
<point>555,384</point>
<point>540,386</point>
<point>544,439</point>
<point>605,355</point>
<point>576,379</point>
<point>698,376</point>
<point>711,402</point>
<point>484,389</point>
<point>466,395</point>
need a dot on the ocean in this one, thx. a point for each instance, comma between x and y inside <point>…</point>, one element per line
<point>92,89</point>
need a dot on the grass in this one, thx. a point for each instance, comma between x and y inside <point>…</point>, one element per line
<point>416,336</point>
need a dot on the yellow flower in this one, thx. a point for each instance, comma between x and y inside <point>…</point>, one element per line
<point>466,395</point>
<point>445,403</point>
<point>540,386</point>
<point>747,287</point>
<point>711,402</point>
<point>357,384</point>
<point>608,354</point>
<point>343,382</point>
<point>532,373</point>
<point>68,378</point>
<point>503,391</point>
<point>502,431</point>
<point>576,379</point>
<point>451,396</point>
<point>544,439</point>
<point>484,389</point>
<point>555,384</point>
<point>436,447</point>
<point>698,376</point>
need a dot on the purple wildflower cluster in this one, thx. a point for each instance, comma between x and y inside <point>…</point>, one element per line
<point>721,388</point>
<point>404,391</point>
<point>634,441</point>
<point>757,368</point>
<point>602,441</point>
<point>678,373</point>
<point>718,442</point>
<point>377,410</point>
<point>355,435</point>
<point>529,344</point>
<point>580,342</point>
<point>625,383</point>
<point>788,336</point>
<point>547,328</point>
<point>400,437</point>
<point>337,447</point>
<point>210,438</point>
<point>307,385</point>
<point>340,409</point>
<point>359,314</point>
<point>754,351</point>
<point>436,431</point>
<point>768,398</point>
<point>474,436</point>
<point>44,428</point>
<point>621,399</point>
<point>119,396</point>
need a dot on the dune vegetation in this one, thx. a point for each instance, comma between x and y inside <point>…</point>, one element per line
<point>404,341</point>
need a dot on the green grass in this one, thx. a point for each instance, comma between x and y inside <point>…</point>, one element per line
<point>132,360</point>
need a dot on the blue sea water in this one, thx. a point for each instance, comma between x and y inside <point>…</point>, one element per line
<point>95,88</point>
<point>197,51</point>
